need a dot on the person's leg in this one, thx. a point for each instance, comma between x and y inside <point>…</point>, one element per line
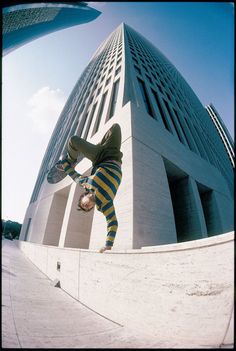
<point>110,145</point>
<point>112,137</point>
<point>79,147</point>
<point>108,148</point>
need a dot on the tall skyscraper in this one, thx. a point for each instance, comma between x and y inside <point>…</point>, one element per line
<point>223,132</point>
<point>25,22</point>
<point>177,180</point>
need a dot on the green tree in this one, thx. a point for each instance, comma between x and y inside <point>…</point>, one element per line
<point>10,229</point>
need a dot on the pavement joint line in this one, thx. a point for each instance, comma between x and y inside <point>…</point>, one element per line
<point>12,310</point>
<point>89,308</point>
<point>227,328</point>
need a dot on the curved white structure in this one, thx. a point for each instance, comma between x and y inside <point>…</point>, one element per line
<point>24,22</point>
<point>183,294</point>
<point>173,155</point>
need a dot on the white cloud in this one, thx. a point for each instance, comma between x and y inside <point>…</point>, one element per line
<point>45,107</point>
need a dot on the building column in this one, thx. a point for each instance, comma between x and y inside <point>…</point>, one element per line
<point>225,208</point>
<point>76,226</point>
<point>189,216</point>
<point>56,217</point>
<point>153,219</point>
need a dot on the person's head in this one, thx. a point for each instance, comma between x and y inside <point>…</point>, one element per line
<point>86,201</point>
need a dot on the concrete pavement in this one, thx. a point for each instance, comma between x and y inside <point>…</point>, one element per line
<point>35,314</point>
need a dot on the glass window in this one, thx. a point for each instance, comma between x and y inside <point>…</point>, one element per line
<point>108,81</point>
<point>162,114</point>
<point>82,108</point>
<point>90,100</point>
<point>114,98</point>
<point>137,69</point>
<point>119,61</point>
<point>177,102</point>
<point>173,121</point>
<point>99,91</point>
<point>118,70</point>
<point>89,123</point>
<point>153,75</point>
<point>149,78</point>
<point>171,90</point>
<point>145,68</point>
<point>181,123</point>
<point>145,97</point>
<point>160,88</point>
<point>168,95</point>
<point>100,113</point>
<point>162,83</point>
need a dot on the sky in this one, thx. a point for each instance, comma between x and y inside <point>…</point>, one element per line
<point>197,37</point>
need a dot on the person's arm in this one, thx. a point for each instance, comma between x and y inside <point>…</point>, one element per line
<point>69,170</point>
<point>83,181</point>
<point>109,212</point>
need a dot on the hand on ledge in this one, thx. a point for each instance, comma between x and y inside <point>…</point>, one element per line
<point>104,248</point>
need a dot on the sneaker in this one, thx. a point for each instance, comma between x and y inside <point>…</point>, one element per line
<point>59,166</point>
<point>72,162</point>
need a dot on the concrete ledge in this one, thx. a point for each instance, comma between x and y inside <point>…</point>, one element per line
<point>182,293</point>
<point>193,244</point>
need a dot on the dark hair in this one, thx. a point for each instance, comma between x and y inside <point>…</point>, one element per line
<point>79,202</point>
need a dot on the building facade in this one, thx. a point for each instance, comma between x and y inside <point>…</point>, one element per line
<point>223,132</point>
<point>177,180</point>
<point>24,22</point>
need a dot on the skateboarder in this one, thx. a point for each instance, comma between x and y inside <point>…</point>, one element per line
<point>101,186</point>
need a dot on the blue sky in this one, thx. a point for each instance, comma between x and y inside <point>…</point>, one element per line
<point>197,37</point>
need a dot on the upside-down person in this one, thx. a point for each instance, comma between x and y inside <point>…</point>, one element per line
<point>102,185</point>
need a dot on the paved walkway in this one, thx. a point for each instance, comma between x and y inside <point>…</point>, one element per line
<point>35,314</point>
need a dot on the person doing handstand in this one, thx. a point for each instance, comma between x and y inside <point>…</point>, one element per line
<point>102,185</point>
